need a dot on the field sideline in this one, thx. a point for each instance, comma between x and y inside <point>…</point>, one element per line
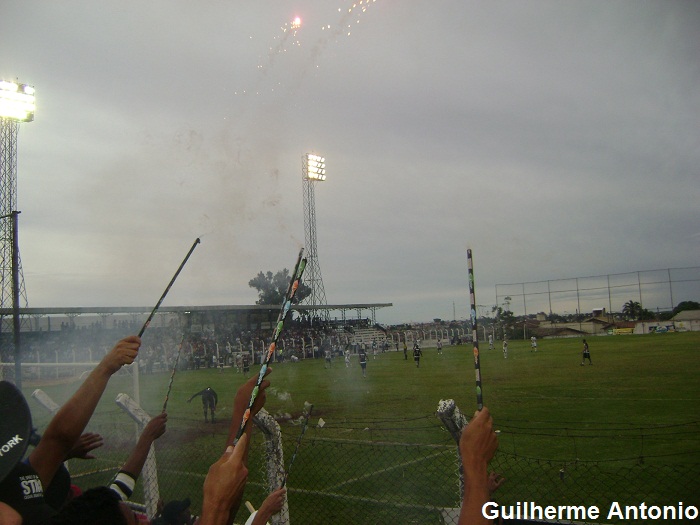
<point>635,381</point>
<point>639,398</point>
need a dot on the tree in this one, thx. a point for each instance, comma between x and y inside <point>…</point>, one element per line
<point>272,288</point>
<point>686,305</point>
<point>633,311</point>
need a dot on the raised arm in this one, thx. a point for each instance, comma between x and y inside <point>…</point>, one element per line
<point>69,422</point>
<point>195,395</point>
<point>271,506</point>
<point>240,405</point>
<point>125,480</point>
<point>477,446</point>
<point>224,484</point>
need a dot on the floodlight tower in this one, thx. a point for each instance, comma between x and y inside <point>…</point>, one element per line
<point>313,171</point>
<point>16,106</point>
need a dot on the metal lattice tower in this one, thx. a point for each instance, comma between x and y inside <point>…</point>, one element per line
<point>8,207</point>
<point>16,105</point>
<point>313,170</point>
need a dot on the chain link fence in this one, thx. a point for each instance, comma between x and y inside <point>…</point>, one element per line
<point>403,471</point>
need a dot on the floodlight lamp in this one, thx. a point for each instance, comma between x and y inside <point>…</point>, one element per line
<point>16,101</point>
<point>315,167</point>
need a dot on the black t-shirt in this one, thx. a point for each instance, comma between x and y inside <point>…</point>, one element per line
<point>22,490</point>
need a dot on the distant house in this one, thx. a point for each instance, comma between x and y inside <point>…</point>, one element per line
<point>590,326</point>
<point>687,321</point>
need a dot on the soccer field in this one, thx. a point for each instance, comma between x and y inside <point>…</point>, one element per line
<point>611,428</point>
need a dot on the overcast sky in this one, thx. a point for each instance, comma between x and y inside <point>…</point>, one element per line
<point>555,139</point>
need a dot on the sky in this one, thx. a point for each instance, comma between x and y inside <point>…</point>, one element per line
<point>556,140</point>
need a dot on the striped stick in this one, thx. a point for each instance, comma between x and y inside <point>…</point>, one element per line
<point>284,311</point>
<point>475,336</point>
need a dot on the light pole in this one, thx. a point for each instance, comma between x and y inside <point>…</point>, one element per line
<point>313,171</point>
<point>17,104</point>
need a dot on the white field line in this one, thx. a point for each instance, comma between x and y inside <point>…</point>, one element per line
<point>365,499</point>
<point>382,471</point>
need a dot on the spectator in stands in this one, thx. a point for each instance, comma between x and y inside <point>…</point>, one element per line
<point>98,505</point>
<point>60,436</point>
<point>209,402</point>
<point>14,435</point>
<point>60,491</point>
<point>477,447</point>
<point>222,490</point>
<point>176,512</point>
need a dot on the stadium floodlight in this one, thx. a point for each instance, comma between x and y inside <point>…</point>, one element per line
<point>313,170</point>
<point>314,167</point>
<point>16,101</point>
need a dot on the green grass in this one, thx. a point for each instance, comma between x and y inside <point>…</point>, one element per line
<point>637,400</point>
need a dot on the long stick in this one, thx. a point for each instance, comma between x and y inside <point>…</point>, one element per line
<point>172,374</point>
<point>284,310</point>
<point>296,449</point>
<point>475,335</point>
<point>155,308</point>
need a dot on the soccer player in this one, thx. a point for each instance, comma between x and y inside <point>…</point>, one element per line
<point>363,360</point>
<point>586,354</point>
<point>490,342</point>
<point>505,348</point>
<point>533,344</point>
<point>209,402</point>
<point>328,357</point>
<point>439,346</point>
<point>417,353</point>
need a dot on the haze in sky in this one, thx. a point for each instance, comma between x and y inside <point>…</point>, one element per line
<point>555,139</point>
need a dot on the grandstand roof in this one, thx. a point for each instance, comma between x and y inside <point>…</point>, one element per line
<point>64,310</point>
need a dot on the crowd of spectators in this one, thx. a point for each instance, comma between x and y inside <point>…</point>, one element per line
<point>209,346</point>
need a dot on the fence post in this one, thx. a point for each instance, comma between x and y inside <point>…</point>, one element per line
<point>274,454</point>
<point>454,420</point>
<point>150,472</point>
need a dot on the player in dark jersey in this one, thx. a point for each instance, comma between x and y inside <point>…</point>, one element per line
<point>363,361</point>
<point>586,354</point>
<point>417,353</point>
<point>209,402</point>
